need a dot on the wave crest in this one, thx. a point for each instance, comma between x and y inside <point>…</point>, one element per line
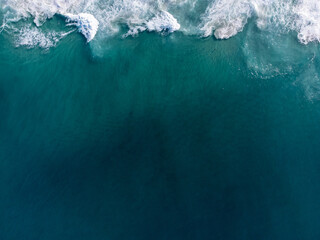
<point>226,18</point>
<point>221,18</point>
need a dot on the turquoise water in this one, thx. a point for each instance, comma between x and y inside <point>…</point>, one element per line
<point>160,137</point>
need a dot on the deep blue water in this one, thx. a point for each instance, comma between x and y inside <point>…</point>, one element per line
<point>162,137</point>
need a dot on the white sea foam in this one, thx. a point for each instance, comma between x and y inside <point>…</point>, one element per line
<point>137,15</point>
<point>225,18</point>
<point>86,23</point>
<point>163,21</point>
<point>221,18</point>
<point>31,37</point>
<point>41,10</point>
<point>308,21</point>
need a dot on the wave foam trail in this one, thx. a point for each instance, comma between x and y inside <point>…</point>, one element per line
<point>137,15</point>
<point>308,21</point>
<point>41,10</point>
<point>32,37</point>
<point>225,18</point>
<point>221,18</point>
<point>86,23</point>
<point>162,22</point>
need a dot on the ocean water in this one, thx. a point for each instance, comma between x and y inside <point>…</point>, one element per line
<point>165,119</point>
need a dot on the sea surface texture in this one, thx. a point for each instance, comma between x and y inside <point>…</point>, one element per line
<point>159,119</point>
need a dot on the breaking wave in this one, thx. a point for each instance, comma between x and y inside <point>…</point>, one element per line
<point>221,18</point>
<point>93,16</point>
<point>225,18</point>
